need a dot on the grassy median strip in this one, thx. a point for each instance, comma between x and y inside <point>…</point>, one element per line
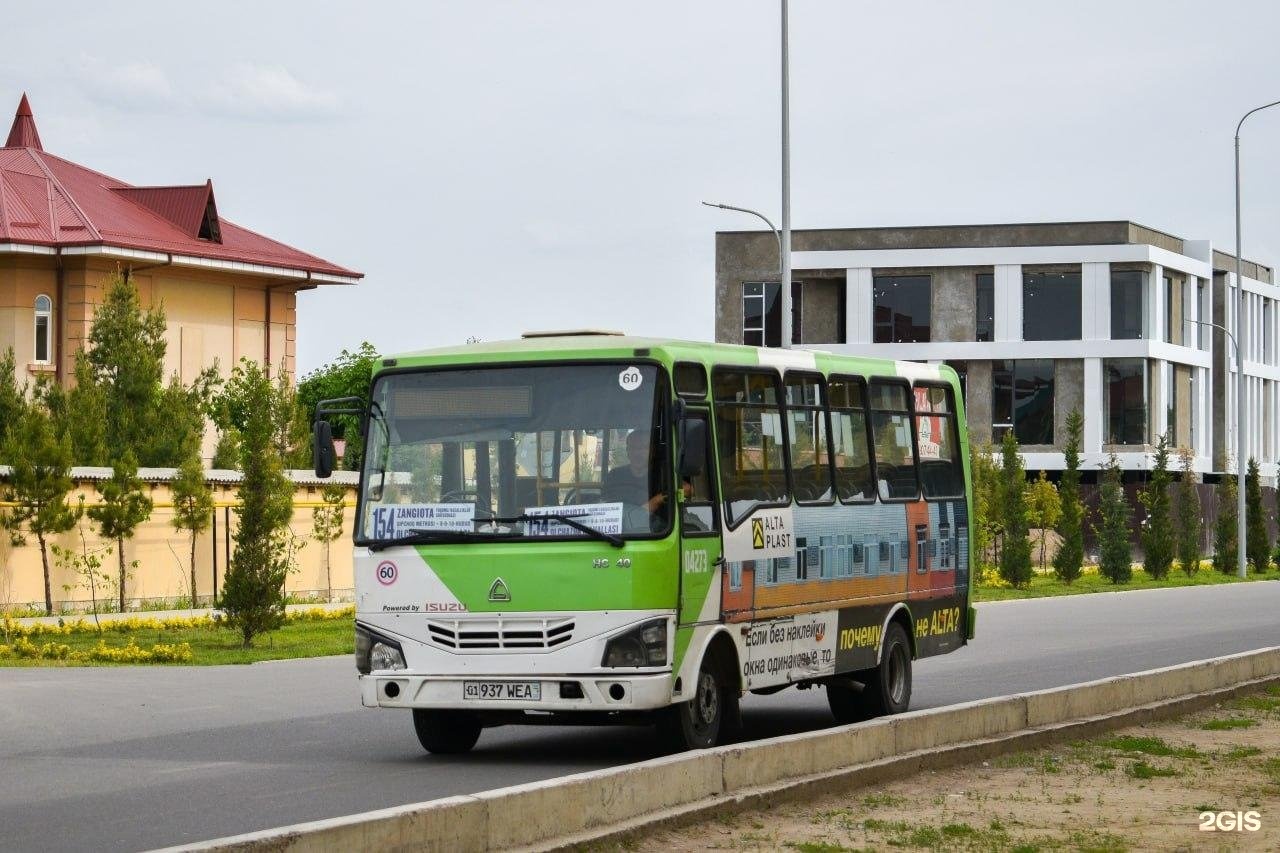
<point>1184,784</point>
<point>199,640</point>
<point>988,588</point>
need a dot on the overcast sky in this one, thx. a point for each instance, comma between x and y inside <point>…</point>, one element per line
<point>494,167</point>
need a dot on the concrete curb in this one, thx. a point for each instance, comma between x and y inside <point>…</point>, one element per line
<point>559,813</point>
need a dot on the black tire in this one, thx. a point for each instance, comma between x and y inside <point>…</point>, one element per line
<point>887,686</point>
<point>446,732</point>
<point>845,699</point>
<point>712,713</point>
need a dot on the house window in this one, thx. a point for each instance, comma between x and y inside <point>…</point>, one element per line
<point>1128,299</point>
<point>762,313</point>
<point>1126,399</point>
<point>902,306</point>
<point>922,549</point>
<point>43,343</point>
<point>985,303</point>
<point>802,558</point>
<point>1050,306</point>
<point>1170,330</point>
<point>1022,395</point>
<point>1171,403</point>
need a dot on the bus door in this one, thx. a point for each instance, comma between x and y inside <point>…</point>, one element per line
<point>701,562</point>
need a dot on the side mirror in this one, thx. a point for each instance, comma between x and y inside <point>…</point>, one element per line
<point>323,455</point>
<point>693,447</point>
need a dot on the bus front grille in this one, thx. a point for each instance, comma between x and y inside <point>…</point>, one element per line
<point>500,634</point>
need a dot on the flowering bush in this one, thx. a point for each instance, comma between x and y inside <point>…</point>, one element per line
<point>102,653</point>
<point>133,624</point>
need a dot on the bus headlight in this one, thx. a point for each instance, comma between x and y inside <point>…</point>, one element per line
<point>374,651</point>
<point>643,645</point>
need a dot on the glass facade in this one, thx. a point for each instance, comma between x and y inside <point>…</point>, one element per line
<point>985,304</point>
<point>1050,306</point>
<point>762,313</point>
<point>1022,394</point>
<point>902,308</point>
<point>1126,396</point>
<point>1128,299</point>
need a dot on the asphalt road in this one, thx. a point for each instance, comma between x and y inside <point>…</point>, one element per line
<point>136,758</point>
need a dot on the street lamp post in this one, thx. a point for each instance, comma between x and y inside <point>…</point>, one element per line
<point>1240,507</point>
<point>756,213</point>
<point>785,238</point>
<point>1240,407</point>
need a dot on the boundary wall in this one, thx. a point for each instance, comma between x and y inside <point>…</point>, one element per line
<point>618,801</point>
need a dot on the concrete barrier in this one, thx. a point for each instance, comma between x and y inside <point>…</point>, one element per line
<point>604,802</point>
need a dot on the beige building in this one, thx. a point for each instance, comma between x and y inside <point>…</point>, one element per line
<point>228,293</point>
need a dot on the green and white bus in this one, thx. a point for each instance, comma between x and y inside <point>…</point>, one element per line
<point>587,527</point>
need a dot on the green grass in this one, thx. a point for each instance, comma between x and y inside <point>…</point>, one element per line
<point>1227,724</point>
<point>1143,770</point>
<point>1043,586</point>
<point>1147,746</point>
<point>301,638</point>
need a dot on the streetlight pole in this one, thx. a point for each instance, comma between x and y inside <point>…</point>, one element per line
<point>1240,507</point>
<point>755,213</point>
<point>785,238</point>
<point>1240,407</point>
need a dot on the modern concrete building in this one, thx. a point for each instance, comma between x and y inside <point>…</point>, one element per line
<point>227,292</point>
<point>1038,319</point>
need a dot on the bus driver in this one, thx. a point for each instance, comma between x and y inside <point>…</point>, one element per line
<point>630,483</point>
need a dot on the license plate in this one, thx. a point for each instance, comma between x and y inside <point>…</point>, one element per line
<point>528,691</point>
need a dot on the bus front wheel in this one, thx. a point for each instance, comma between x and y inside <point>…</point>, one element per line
<point>886,686</point>
<point>446,732</point>
<point>699,722</point>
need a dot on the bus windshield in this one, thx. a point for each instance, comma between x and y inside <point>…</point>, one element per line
<point>516,452</point>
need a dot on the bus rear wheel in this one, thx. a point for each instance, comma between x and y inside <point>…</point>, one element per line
<point>446,732</point>
<point>700,722</point>
<point>886,686</point>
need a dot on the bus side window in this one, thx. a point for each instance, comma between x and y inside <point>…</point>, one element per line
<point>750,437</point>
<point>894,442</point>
<point>937,436</point>
<point>698,500</point>
<point>849,445</point>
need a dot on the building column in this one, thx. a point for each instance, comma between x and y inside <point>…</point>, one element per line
<point>1159,400</point>
<point>1095,296</point>
<point>1008,298</point>
<point>1155,305</point>
<point>1095,410</point>
<point>859,306</point>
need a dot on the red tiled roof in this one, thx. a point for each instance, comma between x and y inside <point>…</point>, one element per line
<point>48,201</point>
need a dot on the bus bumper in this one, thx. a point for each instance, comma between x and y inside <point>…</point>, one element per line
<point>556,693</point>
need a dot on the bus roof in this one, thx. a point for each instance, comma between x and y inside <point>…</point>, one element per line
<point>602,345</point>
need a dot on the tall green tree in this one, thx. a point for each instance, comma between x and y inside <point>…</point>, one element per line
<point>38,485</point>
<point>1044,507</point>
<point>1157,533</point>
<point>1015,551</point>
<point>123,507</point>
<point>348,375</point>
<point>234,408</point>
<point>126,358</point>
<point>80,413</point>
<point>12,396</point>
<point>1257,542</point>
<point>253,592</point>
<point>192,507</point>
<point>1225,540</point>
<point>1069,561</point>
<point>1116,556</point>
<point>1187,524</point>
<point>986,519</point>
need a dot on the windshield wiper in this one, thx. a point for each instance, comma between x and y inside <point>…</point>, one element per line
<point>612,538</point>
<point>425,537</point>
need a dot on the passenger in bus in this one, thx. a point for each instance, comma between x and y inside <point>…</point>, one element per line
<point>630,483</point>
